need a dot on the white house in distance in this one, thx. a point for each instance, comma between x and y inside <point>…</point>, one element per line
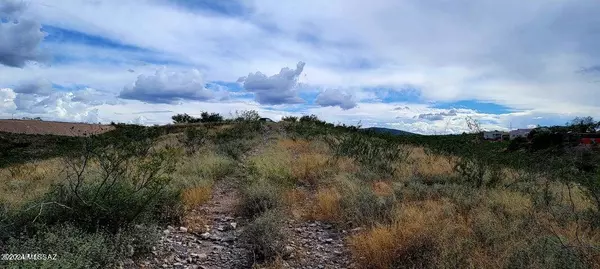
<point>493,135</point>
<point>519,133</point>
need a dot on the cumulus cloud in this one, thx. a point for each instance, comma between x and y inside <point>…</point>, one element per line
<point>91,97</point>
<point>7,97</point>
<point>38,86</point>
<point>277,89</point>
<point>331,97</point>
<point>436,116</point>
<point>20,37</point>
<point>168,87</point>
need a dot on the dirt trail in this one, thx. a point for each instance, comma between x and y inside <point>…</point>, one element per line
<point>211,237</point>
<point>209,241</point>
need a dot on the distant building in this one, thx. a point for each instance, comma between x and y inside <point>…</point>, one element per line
<point>494,135</point>
<point>519,133</point>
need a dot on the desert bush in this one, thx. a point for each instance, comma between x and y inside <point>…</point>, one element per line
<point>265,235</point>
<point>362,206</point>
<point>202,169</point>
<point>290,119</point>
<point>471,171</point>
<point>258,198</point>
<point>375,154</point>
<point>546,252</point>
<point>73,247</point>
<point>273,165</point>
<point>193,138</point>
<point>234,149</point>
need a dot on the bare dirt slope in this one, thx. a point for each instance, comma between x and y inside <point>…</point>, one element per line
<point>52,127</point>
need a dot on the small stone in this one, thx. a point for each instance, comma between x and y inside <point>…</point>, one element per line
<point>165,265</point>
<point>183,229</point>
<point>328,240</point>
<point>170,227</point>
<point>228,239</point>
<point>166,232</point>
<point>288,251</point>
<point>205,236</point>
<point>233,225</point>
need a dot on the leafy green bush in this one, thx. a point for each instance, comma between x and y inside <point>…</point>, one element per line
<point>265,235</point>
<point>258,198</point>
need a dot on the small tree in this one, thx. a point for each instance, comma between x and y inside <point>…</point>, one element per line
<point>247,115</point>
<point>210,117</point>
<point>290,119</point>
<point>583,124</point>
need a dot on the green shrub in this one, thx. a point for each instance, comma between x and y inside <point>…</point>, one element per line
<point>546,252</point>
<point>73,247</point>
<point>258,198</point>
<point>361,206</point>
<point>265,235</point>
<point>375,154</point>
<point>193,138</point>
<point>234,149</point>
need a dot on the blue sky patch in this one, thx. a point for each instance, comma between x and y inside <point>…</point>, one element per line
<point>220,7</point>
<point>62,35</point>
<point>407,95</point>
<point>482,107</point>
<point>69,88</point>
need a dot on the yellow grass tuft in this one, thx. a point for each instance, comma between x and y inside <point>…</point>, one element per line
<point>382,188</point>
<point>310,167</point>
<point>22,182</point>
<point>296,200</point>
<point>326,205</point>
<point>196,196</point>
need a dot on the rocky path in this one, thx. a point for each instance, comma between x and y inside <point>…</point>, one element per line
<point>210,240</point>
<point>316,245</point>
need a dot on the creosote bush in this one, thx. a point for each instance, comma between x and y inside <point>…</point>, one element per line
<point>258,198</point>
<point>265,235</point>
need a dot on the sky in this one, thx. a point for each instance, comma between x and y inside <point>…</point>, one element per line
<point>418,65</point>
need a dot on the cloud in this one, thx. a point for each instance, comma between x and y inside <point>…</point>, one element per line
<point>37,86</point>
<point>12,8</point>
<point>168,87</point>
<point>277,89</point>
<point>7,97</point>
<point>20,37</point>
<point>332,97</point>
<point>436,116</point>
<point>91,96</point>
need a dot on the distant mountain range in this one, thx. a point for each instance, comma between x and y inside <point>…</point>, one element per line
<point>389,131</point>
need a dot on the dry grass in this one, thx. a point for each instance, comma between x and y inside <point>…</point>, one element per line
<point>196,196</point>
<point>23,182</point>
<point>425,165</point>
<point>297,201</point>
<point>327,205</point>
<point>408,241</point>
<point>382,188</point>
<point>202,168</point>
<point>309,168</point>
